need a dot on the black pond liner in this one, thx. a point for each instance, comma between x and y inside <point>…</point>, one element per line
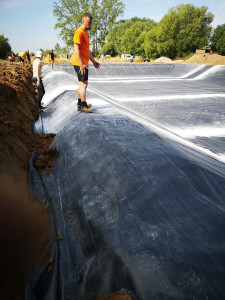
<point>138,211</point>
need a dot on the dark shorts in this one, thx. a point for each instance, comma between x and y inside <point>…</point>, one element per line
<point>20,58</point>
<point>79,76</point>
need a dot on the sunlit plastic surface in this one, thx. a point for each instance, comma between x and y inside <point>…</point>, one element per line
<point>138,191</point>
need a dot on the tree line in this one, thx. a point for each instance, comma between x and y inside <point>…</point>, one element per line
<point>179,33</point>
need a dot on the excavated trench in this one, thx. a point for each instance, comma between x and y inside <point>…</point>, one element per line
<point>137,194</point>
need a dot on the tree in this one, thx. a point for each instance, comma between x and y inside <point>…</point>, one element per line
<point>218,38</point>
<point>61,50</point>
<point>150,43</point>
<point>69,17</point>
<point>5,47</point>
<point>134,36</point>
<point>113,45</point>
<point>218,32</point>
<point>183,29</point>
<point>221,45</point>
<point>109,11</point>
<point>128,36</point>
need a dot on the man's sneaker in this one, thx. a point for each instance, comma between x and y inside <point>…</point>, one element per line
<point>85,104</point>
<point>85,109</point>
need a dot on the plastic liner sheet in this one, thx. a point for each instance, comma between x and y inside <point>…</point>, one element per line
<point>187,100</point>
<point>136,211</point>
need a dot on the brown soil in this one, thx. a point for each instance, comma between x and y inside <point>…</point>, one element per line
<point>202,59</point>
<point>22,220</point>
<point>206,59</point>
<point>17,114</point>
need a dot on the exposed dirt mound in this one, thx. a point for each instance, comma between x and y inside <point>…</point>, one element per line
<point>206,59</point>
<point>163,60</point>
<point>202,59</point>
<point>17,113</point>
<point>22,220</point>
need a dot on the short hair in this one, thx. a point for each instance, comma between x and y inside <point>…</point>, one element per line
<point>87,15</point>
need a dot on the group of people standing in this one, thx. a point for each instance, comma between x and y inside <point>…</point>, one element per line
<point>22,57</point>
<point>81,58</point>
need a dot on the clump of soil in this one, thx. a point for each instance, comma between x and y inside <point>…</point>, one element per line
<point>45,155</point>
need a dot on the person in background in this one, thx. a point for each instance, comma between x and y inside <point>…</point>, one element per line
<point>28,55</point>
<point>22,57</point>
<point>12,58</point>
<point>51,58</point>
<point>80,61</point>
<point>37,66</point>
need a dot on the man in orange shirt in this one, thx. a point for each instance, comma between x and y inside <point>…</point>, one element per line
<point>81,58</point>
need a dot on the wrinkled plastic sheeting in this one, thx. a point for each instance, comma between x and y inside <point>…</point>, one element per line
<point>137,211</point>
<point>187,100</point>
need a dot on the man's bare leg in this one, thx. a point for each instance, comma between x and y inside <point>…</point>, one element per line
<point>81,94</point>
<point>81,91</point>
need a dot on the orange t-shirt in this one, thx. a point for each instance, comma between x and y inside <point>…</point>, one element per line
<point>81,37</point>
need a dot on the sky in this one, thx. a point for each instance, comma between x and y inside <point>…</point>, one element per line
<point>29,24</point>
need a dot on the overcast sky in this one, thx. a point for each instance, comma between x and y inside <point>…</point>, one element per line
<point>29,24</point>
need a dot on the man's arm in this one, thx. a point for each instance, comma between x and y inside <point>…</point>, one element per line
<point>78,56</point>
<point>39,73</point>
<point>95,63</point>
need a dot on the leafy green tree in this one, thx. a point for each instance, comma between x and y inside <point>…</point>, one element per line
<point>109,11</point>
<point>5,47</point>
<point>109,49</point>
<point>218,38</point>
<point>183,29</point>
<point>58,48</point>
<point>69,17</point>
<point>46,52</point>
<point>61,50</point>
<point>151,44</point>
<point>127,36</point>
<point>220,46</point>
<point>133,38</point>
<point>114,38</point>
<point>217,33</point>
<point>95,26</point>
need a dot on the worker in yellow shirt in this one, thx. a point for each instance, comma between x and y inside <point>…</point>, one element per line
<point>22,56</point>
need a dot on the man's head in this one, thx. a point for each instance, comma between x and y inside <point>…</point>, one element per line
<point>39,54</point>
<point>87,21</point>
